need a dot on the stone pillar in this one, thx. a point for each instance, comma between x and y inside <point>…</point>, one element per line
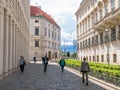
<point>1,41</point>
<point>5,46</point>
<point>16,47</point>
<point>9,45</point>
<point>12,45</point>
<point>11,50</point>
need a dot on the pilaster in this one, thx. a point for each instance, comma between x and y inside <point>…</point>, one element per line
<point>1,41</point>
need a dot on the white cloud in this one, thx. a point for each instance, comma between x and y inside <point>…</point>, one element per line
<point>63,12</point>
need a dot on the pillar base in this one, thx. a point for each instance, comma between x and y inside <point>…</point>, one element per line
<point>1,76</point>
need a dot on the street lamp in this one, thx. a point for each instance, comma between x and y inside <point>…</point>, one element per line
<point>107,38</point>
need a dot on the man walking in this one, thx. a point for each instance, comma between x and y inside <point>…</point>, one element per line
<point>45,61</point>
<point>62,64</point>
<point>22,63</point>
<point>84,68</point>
<point>34,58</point>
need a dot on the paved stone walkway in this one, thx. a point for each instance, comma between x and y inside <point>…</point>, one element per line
<point>34,78</point>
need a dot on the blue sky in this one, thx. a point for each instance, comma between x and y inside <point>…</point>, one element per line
<point>63,12</point>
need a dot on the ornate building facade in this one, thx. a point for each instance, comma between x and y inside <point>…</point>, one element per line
<point>45,35</point>
<point>98,30</point>
<point>14,34</point>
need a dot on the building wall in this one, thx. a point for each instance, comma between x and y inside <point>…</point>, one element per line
<point>46,43</point>
<point>14,34</point>
<point>93,18</point>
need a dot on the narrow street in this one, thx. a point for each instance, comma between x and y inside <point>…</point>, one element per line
<point>34,78</point>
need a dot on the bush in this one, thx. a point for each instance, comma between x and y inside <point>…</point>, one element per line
<point>112,70</point>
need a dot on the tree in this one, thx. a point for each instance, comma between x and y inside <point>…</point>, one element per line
<point>74,55</point>
<point>68,54</point>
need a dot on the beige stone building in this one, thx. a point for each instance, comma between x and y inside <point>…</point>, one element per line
<point>45,35</point>
<point>14,34</point>
<point>98,30</point>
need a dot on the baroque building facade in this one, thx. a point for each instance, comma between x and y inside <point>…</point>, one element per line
<point>14,34</point>
<point>45,35</point>
<point>98,30</point>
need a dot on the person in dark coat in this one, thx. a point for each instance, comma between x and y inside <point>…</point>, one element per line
<point>84,68</point>
<point>22,63</point>
<point>34,58</point>
<point>45,62</point>
<point>62,64</point>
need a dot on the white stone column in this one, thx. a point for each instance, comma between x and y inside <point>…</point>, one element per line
<point>12,45</point>
<point>18,46</point>
<point>9,45</point>
<point>1,42</point>
<point>14,48</point>
<point>5,46</point>
<point>11,50</point>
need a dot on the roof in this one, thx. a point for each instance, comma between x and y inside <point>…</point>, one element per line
<point>36,11</point>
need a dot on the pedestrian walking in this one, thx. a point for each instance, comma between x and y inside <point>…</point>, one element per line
<point>22,63</point>
<point>45,62</point>
<point>34,59</point>
<point>62,64</point>
<point>84,68</point>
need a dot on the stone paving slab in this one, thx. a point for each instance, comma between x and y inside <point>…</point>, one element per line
<point>34,78</point>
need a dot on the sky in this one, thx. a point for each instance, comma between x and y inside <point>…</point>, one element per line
<point>63,12</point>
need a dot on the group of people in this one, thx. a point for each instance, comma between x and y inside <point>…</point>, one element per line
<point>84,67</point>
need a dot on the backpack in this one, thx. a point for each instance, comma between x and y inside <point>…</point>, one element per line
<point>62,62</point>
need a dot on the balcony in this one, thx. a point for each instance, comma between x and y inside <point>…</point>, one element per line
<point>111,19</point>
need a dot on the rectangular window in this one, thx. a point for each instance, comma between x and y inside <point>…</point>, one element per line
<point>113,34</point>
<point>45,32</point>
<point>93,58</point>
<point>102,58</point>
<point>112,5</point>
<point>119,32</point>
<point>92,41</point>
<point>119,3</point>
<point>89,58</point>
<point>89,42</point>
<point>106,39</point>
<point>36,31</point>
<point>92,21</point>
<point>85,43</point>
<point>96,41</point>
<point>36,43</point>
<point>114,58</point>
<point>89,24</point>
<point>80,45</point>
<point>49,34</point>
<point>101,38</point>
<point>106,9</point>
<point>97,58</point>
<point>100,14</point>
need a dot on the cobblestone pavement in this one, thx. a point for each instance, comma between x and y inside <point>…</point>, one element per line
<point>34,78</point>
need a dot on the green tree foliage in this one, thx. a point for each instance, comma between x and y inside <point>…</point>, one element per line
<point>68,54</point>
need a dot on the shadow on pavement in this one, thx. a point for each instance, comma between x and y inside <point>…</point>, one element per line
<point>34,78</point>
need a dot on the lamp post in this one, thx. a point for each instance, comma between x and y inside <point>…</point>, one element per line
<point>107,36</point>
